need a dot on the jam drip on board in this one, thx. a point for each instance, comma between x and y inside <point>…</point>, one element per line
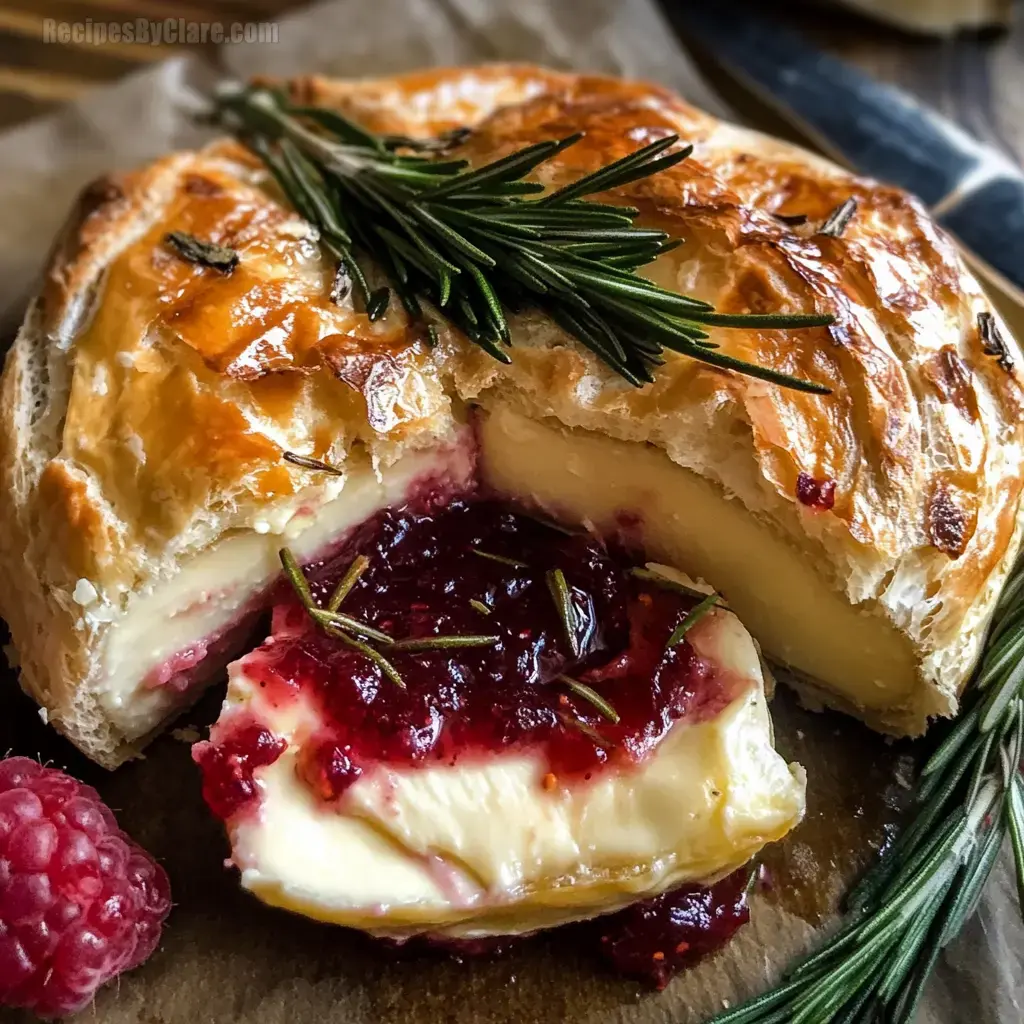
<point>655,939</point>
<point>478,568</point>
<point>651,941</point>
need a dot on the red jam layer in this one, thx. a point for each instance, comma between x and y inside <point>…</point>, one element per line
<point>472,568</point>
<point>652,940</point>
<point>656,938</point>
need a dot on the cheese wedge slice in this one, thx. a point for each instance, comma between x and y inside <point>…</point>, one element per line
<point>491,846</point>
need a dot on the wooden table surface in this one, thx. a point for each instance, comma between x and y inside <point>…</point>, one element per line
<point>978,81</point>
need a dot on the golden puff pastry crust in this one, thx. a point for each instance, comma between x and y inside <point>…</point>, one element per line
<point>147,403</point>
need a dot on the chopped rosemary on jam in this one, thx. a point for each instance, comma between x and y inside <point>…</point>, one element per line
<point>692,618</point>
<point>359,565</point>
<point>591,695</point>
<point>563,602</point>
<point>500,558</point>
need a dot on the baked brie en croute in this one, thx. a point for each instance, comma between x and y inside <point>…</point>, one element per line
<point>149,404</point>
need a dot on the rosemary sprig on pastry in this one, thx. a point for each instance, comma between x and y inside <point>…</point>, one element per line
<point>914,902</point>
<point>479,242</point>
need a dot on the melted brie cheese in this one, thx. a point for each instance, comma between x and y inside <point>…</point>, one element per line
<point>487,848</point>
<point>174,624</point>
<point>685,520</point>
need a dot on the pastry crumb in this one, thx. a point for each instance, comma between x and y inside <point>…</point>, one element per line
<point>84,593</point>
<point>188,734</point>
<point>44,716</point>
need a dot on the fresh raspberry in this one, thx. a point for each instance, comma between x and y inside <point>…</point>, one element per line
<point>80,902</point>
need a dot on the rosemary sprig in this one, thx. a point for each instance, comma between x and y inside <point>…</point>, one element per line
<point>479,242</point>
<point>502,559</point>
<point>591,695</point>
<point>969,798</point>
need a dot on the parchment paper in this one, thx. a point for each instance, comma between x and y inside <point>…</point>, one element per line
<point>226,958</point>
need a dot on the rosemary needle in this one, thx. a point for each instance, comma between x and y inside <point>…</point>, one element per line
<point>588,730</point>
<point>349,624</point>
<point>515,563</point>
<point>374,655</point>
<point>359,565</point>
<point>440,643</point>
<point>667,582</point>
<point>202,253</point>
<point>479,606</point>
<point>836,222</point>
<point>588,694</point>
<point>477,242</point>
<point>692,618</point>
<point>297,578</point>
<point>562,597</point>
<point>310,463</point>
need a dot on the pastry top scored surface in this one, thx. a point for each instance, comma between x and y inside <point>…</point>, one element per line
<point>148,402</point>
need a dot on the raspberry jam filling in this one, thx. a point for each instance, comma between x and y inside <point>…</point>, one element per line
<point>474,568</point>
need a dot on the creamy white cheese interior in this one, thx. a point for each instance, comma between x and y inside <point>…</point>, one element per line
<point>493,848</point>
<point>686,521</point>
<point>171,625</point>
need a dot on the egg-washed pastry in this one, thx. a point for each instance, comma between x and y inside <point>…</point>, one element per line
<point>159,413</point>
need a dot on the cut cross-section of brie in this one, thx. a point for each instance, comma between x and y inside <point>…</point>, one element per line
<point>179,633</point>
<point>491,846</point>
